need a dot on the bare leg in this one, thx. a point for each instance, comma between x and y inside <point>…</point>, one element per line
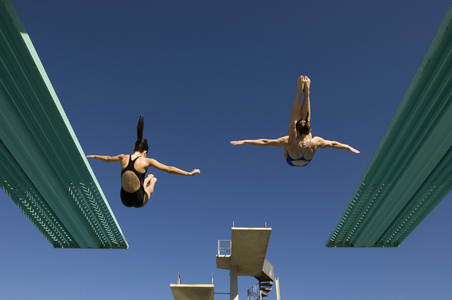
<point>148,185</point>
<point>306,106</point>
<point>297,107</point>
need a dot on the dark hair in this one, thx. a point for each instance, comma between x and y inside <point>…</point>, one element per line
<point>141,144</point>
<point>303,126</point>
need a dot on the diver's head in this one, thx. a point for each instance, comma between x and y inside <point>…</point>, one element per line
<point>141,146</point>
<point>303,127</point>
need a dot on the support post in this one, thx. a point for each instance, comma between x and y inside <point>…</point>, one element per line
<point>278,296</point>
<point>233,284</point>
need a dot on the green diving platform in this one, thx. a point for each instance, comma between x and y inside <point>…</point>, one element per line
<point>411,170</point>
<point>42,166</point>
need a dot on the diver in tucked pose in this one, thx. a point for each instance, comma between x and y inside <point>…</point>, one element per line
<point>299,145</point>
<point>135,189</point>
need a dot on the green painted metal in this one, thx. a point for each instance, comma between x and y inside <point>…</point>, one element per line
<point>411,170</point>
<point>42,166</point>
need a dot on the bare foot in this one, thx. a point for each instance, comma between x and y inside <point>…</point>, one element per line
<point>307,82</point>
<point>150,180</point>
<point>149,184</point>
<point>300,83</point>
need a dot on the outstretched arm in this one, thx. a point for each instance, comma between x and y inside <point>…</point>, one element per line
<point>321,143</point>
<point>106,158</point>
<point>169,169</point>
<point>263,142</point>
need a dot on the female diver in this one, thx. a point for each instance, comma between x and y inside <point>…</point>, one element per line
<point>299,145</point>
<point>135,189</point>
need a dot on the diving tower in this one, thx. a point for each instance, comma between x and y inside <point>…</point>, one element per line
<point>411,170</point>
<point>244,255</point>
<point>192,291</point>
<point>42,166</point>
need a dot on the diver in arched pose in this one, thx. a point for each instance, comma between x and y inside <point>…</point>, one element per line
<point>135,188</point>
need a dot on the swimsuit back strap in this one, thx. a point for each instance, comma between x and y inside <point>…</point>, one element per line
<point>132,162</point>
<point>308,147</point>
<point>301,150</point>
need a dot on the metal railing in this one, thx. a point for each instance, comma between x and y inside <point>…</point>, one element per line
<point>268,269</point>
<point>224,247</point>
<point>254,293</point>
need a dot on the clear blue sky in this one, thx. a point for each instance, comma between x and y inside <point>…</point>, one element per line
<point>203,73</point>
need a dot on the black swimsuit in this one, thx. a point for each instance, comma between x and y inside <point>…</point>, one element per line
<point>135,199</point>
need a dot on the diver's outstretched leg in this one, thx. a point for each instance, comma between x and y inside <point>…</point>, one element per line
<point>148,186</point>
<point>297,107</point>
<point>306,106</point>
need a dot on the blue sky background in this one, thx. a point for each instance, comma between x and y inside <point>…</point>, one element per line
<point>203,73</point>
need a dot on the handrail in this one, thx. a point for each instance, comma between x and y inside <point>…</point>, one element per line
<point>224,249</point>
<point>254,292</point>
<point>268,269</point>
